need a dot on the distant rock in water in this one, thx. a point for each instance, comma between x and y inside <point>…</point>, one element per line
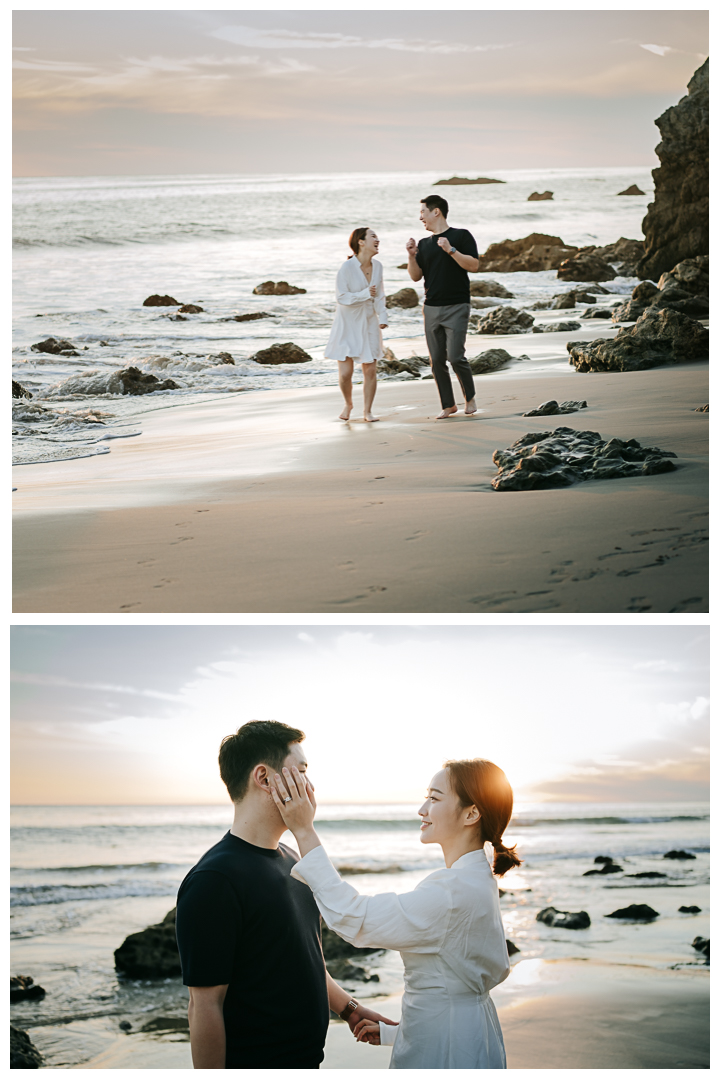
<point>538,251</point>
<point>565,920</point>
<point>504,320</point>
<point>571,299</point>
<point>402,266</point>
<point>658,337</point>
<point>566,326</point>
<point>624,255</point>
<point>134,381</point>
<point>607,868</point>
<point>596,313</point>
<point>19,391</point>
<point>24,988</point>
<point>511,947</point>
<point>550,459</point>
<point>702,944</point>
<point>603,860</point>
<point>692,909</point>
<point>678,855</point>
<point>676,225</point>
<point>490,288</point>
<point>251,316</point>
<point>647,874</point>
<point>540,196</point>
<point>191,309</point>
<point>585,267</point>
<point>23,1053</point>
<point>56,346</point>
<point>454,180</point>
<point>551,408</point>
<point>635,913</point>
<point>404,298</point>
<point>632,190</point>
<point>288,353</point>
<point>160,301</point>
<point>151,953</point>
<point>277,288</point>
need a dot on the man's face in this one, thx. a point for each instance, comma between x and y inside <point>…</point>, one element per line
<point>428,217</point>
<point>297,758</point>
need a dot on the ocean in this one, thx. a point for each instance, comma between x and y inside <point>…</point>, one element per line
<point>89,250</point>
<point>83,878</point>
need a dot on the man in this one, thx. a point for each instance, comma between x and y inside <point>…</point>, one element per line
<point>249,934</point>
<point>444,259</point>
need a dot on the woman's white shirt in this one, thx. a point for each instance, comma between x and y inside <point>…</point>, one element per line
<point>356,328</point>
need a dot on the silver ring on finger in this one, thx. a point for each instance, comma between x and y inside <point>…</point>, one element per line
<point>289,799</point>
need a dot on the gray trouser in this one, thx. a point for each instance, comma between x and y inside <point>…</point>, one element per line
<point>445,330</point>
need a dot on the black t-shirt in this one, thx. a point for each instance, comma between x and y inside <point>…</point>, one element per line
<point>242,920</point>
<point>445,281</point>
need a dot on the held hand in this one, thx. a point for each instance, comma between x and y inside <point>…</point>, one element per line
<point>373,290</point>
<point>368,1031</point>
<point>383,326</point>
<point>363,1016</point>
<point>295,799</point>
<point>444,243</point>
<point>411,247</point>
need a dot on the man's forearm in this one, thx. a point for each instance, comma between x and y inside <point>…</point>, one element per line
<point>413,268</point>
<point>207,1036</point>
<point>337,997</point>
<point>468,262</point>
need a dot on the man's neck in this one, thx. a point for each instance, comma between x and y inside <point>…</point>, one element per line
<point>440,226</point>
<point>253,826</point>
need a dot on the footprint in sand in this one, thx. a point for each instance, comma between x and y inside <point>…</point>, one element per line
<point>691,604</point>
<point>180,539</point>
<point>147,562</point>
<point>416,536</point>
<point>165,581</point>
<point>124,607</point>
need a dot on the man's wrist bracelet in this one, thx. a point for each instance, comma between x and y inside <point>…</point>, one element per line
<point>351,1006</point>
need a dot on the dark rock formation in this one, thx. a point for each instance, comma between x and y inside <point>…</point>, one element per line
<point>287,353</point>
<point>548,459</point>
<point>20,391</point>
<point>125,1025</point>
<point>585,267</point>
<point>632,190</point>
<point>23,988</point>
<point>505,320</point>
<point>607,868</point>
<point>565,920</point>
<point>23,1054</point>
<point>691,275</point>
<point>676,223</point>
<point>685,288</point>
<point>551,408</point>
<point>645,292</point>
<point>390,365</point>
<point>603,860</point>
<point>347,971</point>
<point>402,266</point>
<point>572,298</point>
<point>647,874</point>
<point>134,381</point>
<point>404,298</point>
<point>57,346</point>
<point>160,301</point>
<point>191,309</point>
<point>249,317</point>
<point>455,180</point>
<point>678,855</point>
<point>483,302</point>
<point>540,196</point>
<point>635,913</point>
<point>692,909</point>
<point>277,288</point>
<point>564,327</point>
<point>335,948</point>
<point>624,255</point>
<point>538,251</point>
<point>658,337</point>
<point>151,953</point>
<point>511,947</point>
<point>597,313</point>
<point>702,944</point>
<point>490,288</point>
<point>488,361</point>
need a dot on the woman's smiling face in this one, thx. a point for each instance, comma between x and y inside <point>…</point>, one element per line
<point>440,813</point>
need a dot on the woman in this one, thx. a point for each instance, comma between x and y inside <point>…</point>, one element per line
<point>448,930</point>
<point>360,316</point>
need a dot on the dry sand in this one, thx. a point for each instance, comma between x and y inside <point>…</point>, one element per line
<point>265,502</point>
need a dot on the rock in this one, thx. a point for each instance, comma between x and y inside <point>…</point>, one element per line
<point>648,874</point>
<point>624,255</point>
<point>134,381</point>
<point>57,346</point>
<point>19,391</point>
<point>565,920</point>
<point>632,190</point>
<point>585,267</point>
<point>549,459</point>
<point>645,292</point>
<point>490,288</point>
<point>678,855</point>
<point>605,860</point>
<point>282,354</point>
<point>597,313</point>
<point>691,910</point>
<point>505,320</point>
<point>390,365</point>
<point>488,361</point>
<point>277,288</point>
<point>630,311</point>
<point>702,944</point>
<point>454,180</point>
<point>702,408</point>
<point>222,358</point>
<point>692,275</point>
<point>336,948</point>
<point>23,988</point>
<point>160,301</point>
<point>251,316</point>
<point>480,302</point>
<point>125,1025</point>
<point>564,326</point>
<point>635,913</point>
<point>538,196</point>
<point>538,251</point>
<point>151,953</point>
<point>511,947</point>
<point>607,868</point>
<point>551,408</point>
<point>23,1054</point>
<point>346,971</point>
<point>191,309</point>
<point>676,223</point>
<point>405,298</point>
<point>658,337</point>
<point>402,266</point>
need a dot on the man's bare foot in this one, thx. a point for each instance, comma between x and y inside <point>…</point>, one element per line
<point>470,407</point>
<point>446,412</point>
<point>370,418</point>
<point>345,414</point>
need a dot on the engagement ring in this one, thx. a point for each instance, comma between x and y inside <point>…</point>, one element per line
<point>289,798</point>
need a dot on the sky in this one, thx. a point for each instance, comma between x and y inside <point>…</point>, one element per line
<point>135,714</point>
<point>157,92</point>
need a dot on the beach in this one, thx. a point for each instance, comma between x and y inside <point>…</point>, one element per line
<point>266,502</point>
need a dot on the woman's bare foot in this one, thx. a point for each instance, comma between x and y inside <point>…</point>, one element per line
<point>470,407</point>
<point>446,412</point>
<point>370,418</point>
<point>345,414</point>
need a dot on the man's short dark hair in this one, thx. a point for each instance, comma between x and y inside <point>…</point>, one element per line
<point>436,202</point>
<point>260,742</point>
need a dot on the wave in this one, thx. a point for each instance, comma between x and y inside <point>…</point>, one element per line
<point>99,866</point>
<point>644,819</point>
<point>32,895</point>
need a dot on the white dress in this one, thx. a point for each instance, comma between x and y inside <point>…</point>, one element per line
<point>450,935</point>
<point>356,328</point>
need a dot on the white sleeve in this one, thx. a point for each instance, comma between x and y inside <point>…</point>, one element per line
<point>343,295</point>
<point>415,920</point>
<point>387,1034</point>
<point>380,307</point>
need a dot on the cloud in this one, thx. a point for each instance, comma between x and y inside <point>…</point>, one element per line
<point>60,682</point>
<point>661,50</point>
<point>257,38</point>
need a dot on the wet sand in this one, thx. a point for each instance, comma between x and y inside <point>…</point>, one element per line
<point>265,502</point>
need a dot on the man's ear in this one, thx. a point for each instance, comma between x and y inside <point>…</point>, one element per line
<point>259,777</point>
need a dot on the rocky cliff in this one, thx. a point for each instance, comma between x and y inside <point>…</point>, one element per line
<point>676,224</point>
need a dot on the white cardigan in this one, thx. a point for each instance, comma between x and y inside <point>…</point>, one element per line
<point>450,935</point>
<point>356,329</point>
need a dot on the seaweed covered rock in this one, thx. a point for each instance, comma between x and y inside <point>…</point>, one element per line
<point>565,920</point>
<point>151,953</point>
<point>23,1053</point>
<point>550,459</point>
<point>505,320</point>
<point>288,353</point>
<point>24,988</point>
<point>157,300</point>
<point>658,337</point>
<point>56,346</point>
